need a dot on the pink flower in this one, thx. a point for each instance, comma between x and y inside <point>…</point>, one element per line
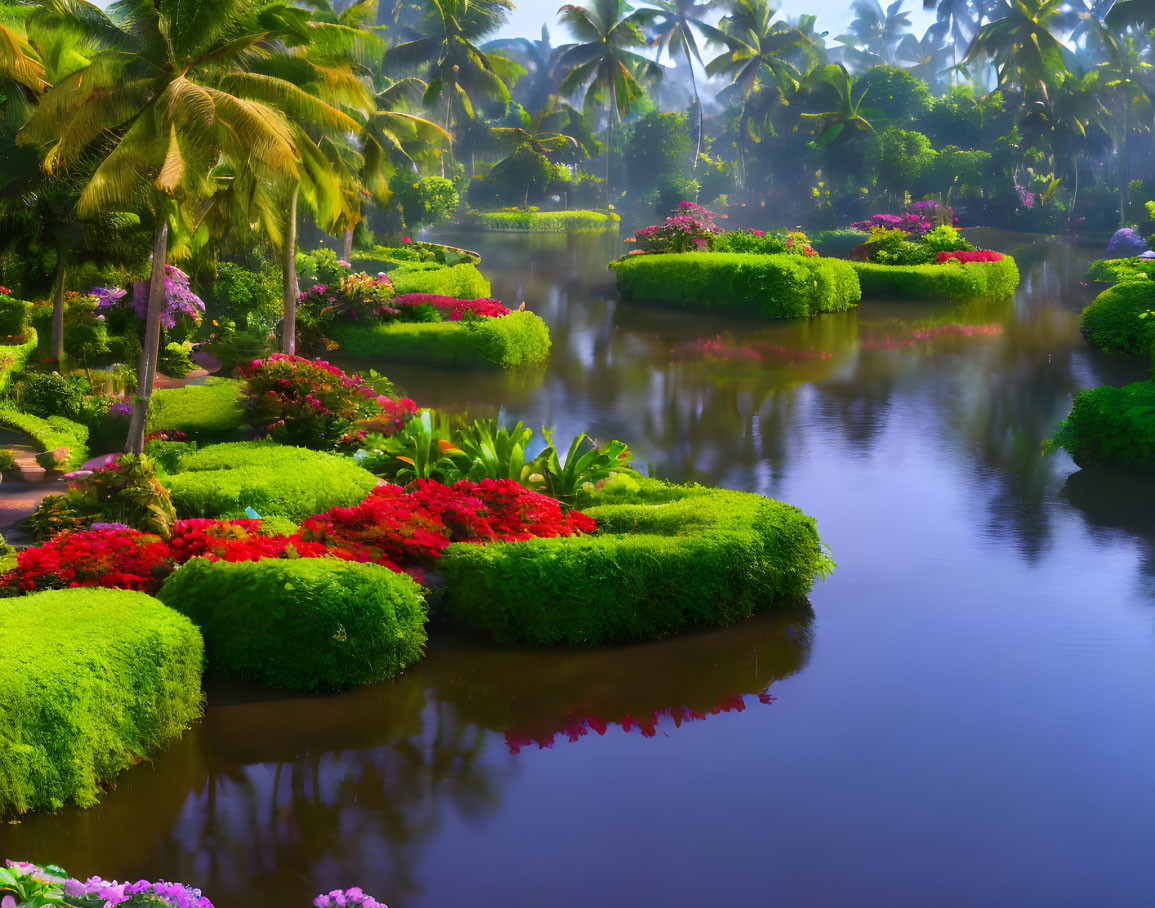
<point>406,239</point>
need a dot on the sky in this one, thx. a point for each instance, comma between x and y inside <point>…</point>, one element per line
<point>833,16</point>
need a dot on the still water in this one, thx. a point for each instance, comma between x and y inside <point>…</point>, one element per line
<point>964,714</point>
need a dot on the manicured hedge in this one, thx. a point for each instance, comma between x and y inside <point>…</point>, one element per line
<point>15,316</point>
<point>463,282</point>
<point>514,339</point>
<point>1112,321</point>
<point>664,559</point>
<point>13,358</point>
<point>779,286</point>
<point>1111,426</point>
<point>274,480</point>
<point>90,681</point>
<point>1121,270</point>
<point>206,413</point>
<point>519,221</point>
<point>50,434</point>
<point>956,283</point>
<point>303,623</point>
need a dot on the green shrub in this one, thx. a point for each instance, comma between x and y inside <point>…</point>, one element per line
<point>205,413</point>
<point>429,200</point>
<point>8,461</point>
<point>274,480</point>
<point>90,681</point>
<point>302,623</point>
<point>952,282</point>
<point>778,286</point>
<point>463,282</point>
<point>665,558</point>
<point>527,221</point>
<point>1121,270</point>
<point>253,299</point>
<point>14,358</point>
<point>15,316</point>
<point>1112,321</point>
<point>512,340</point>
<point>1111,426</point>
<point>50,434</point>
<point>659,150</point>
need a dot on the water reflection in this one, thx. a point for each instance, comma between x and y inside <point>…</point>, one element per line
<point>270,800</point>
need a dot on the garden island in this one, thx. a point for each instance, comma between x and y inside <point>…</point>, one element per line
<point>426,449</point>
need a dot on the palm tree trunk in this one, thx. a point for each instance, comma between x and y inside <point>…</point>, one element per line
<point>1124,163</point>
<point>289,277</point>
<point>58,309</point>
<point>149,352</point>
<point>698,102</point>
<point>347,246</point>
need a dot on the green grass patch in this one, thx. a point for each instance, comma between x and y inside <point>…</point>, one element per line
<point>778,286</point>
<point>664,559</point>
<point>50,434</point>
<point>1115,270</point>
<point>91,681</point>
<point>956,283</point>
<point>509,341</point>
<point>1111,426</point>
<point>206,413</point>
<point>517,220</point>
<point>274,480</point>
<point>1112,323</point>
<point>304,623</point>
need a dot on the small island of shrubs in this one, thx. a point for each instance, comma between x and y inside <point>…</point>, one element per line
<point>533,220</point>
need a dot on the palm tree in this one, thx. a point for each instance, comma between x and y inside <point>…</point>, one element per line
<point>927,58</point>
<point>539,59</point>
<point>1022,45</point>
<point>153,107</point>
<point>759,56</point>
<point>832,87</point>
<point>446,52</point>
<point>874,33</point>
<point>673,28</point>
<point>957,20</point>
<point>601,65</point>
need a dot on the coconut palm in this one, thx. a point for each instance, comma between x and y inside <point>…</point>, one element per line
<point>926,58</point>
<point>673,27</point>
<point>602,65</point>
<point>759,60</point>
<point>1022,45</point>
<point>445,52</point>
<point>540,60</point>
<point>874,33</point>
<point>169,92</point>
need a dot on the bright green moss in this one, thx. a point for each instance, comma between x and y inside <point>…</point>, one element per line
<point>90,681</point>
<point>303,623</point>
<point>664,559</point>
<point>778,286</point>
<point>274,480</point>
<point>206,413</point>
<point>956,283</point>
<point>1112,321</point>
<point>525,221</point>
<point>1113,270</point>
<point>1111,426</point>
<point>463,282</point>
<point>509,341</point>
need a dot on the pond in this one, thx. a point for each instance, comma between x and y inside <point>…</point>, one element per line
<point>961,717</point>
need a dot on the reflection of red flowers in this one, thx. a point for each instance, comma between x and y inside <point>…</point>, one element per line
<point>574,727</point>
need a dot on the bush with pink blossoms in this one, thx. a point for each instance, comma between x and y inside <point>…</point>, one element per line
<point>911,224</point>
<point>22,884</point>
<point>689,229</point>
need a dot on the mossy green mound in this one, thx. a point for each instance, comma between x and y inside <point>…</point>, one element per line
<point>274,480</point>
<point>463,282</point>
<point>304,623</point>
<point>91,681</point>
<point>664,559</point>
<point>956,283</point>
<point>509,341</point>
<point>778,286</point>
<point>1114,270</point>
<point>1113,324</point>
<point>525,221</point>
<point>206,413</point>
<point>1111,426</point>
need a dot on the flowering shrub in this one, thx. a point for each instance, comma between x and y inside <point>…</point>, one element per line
<point>962,255</point>
<point>447,307</point>
<point>355,296</point>
<point>761,243</point>
<point>912,224</point>
<point>937,213</point>
<point>398,528</point>
<point>34,885</point>
<point>316,405</point>
<point>349,898</point>
<point>689,229</point>
<point>180,303</point>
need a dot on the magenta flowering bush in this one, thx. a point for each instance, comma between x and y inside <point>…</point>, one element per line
<point>937,213</point>
<point>911,224</point>
<point>689,229</point>
<point>339,898</point>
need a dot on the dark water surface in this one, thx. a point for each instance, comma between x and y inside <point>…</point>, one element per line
<point>966,717</point>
